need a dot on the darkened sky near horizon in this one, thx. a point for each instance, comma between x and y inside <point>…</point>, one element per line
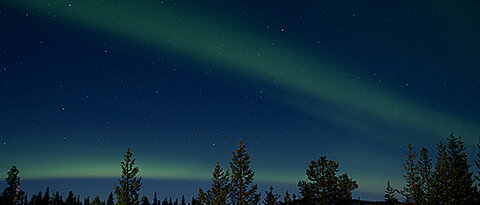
<point>181,82</point>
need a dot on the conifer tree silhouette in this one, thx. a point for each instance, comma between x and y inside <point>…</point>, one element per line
<point>217,195</point>
<point>242,192</point>
<point>110,199</point>
<point>389,196</point>
<point>463,190</point>
<point>271,198</point>
<point>129,184</point>
<point>426,181</point>
<point>322,185</point>
<point>412,188</point>
<point>12,192</point>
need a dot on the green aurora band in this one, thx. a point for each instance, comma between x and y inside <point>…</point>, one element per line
<point>235,51</point>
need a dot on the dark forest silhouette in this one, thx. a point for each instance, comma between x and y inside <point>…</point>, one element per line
<point>447,180</point>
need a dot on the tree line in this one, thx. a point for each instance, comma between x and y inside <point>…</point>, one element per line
<point>447,181</point>
<point>234,186</point>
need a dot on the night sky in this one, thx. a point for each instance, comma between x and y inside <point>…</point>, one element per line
<point>181,82</point>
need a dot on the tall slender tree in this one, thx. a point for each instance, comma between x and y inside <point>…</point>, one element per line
<point>389,196</point>
<point>242,192</point>
<point>217,195</point>
<point>155,199</point>
<point>412,189</point>
<point>129,184</point>
<point>12,192</point>
<point>110,199</point>
<point>70,200</point>
<point>463,190</point>
<point>46,196</point>
<point>442,182</point>
<point>182,202</point>
<point>426,182</point>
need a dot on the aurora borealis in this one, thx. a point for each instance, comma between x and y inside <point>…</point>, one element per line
<point>181,82</point>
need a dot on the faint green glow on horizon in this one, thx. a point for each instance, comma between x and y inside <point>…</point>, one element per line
<point>231,49</point>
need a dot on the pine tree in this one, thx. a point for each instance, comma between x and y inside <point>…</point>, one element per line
<point>441,176</point>
<point>110,199</point>
<point>46,196</point>
<point>390,195</point>
<point>12,192</point>
<point>38,199</point>
<point>70,199</point>
<point>183,201</point>
<point>411,191</point>
<point>129,184</point>
<point>463,190</point>
<point>155,200</point>
<point>426,182</point>
<point>217,195</point>
<point>322,185</point>
<point>271,198</point>
<point>241,190</point>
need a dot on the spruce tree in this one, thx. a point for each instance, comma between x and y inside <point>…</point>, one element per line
<point>70,199</point>
<point>110,199</point>
<point>38,199</point>
<point>389,196</point>
<point>463,190</point>
<point>217,195</point>
<point>155,199</point>
<point>441,176</point>
<point>412,190</point>
<point>271,198</point>
<point>323,186</point>
<point>426,182</point>
<point>129,184</point>
<point>46,196</point>
<point>242,192</point>
<point>12,192</point>
<point>183,201</point>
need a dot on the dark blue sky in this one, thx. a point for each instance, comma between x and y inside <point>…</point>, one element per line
<point>181,82</point>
